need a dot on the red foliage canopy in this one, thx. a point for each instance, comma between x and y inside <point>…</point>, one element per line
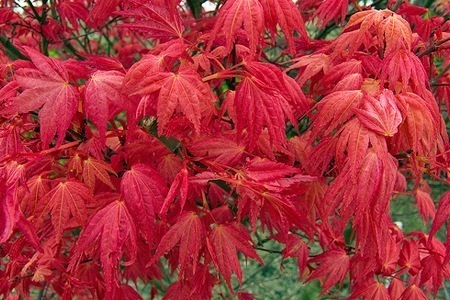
<point>137,135</point>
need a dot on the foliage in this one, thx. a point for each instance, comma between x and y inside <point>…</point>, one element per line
<point>150,141</point>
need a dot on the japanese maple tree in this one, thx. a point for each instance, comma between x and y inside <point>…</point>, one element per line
<point>140,136</point>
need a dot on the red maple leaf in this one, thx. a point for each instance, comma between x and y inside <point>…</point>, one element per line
<point>334,266</point>
<point>94,169</point>
<point>310,65</point>
<point>181,92</point>
<point>442,214</point>
<point>396,288</point>
<point>373,291</point>
<point>413,292</point>
<point>143,190</point>
<point>396,32</point>
<point>71,12</point>
<point>425,204</point>
<point>235,14</point>
<point>101,11</point>
<point>285,14</point>
<point>224,241</point>
<point>68,198</point>
<point>218,149</point>
<point>102,98</point>
<point>332,10</point>
<point>179,187</point>
<point>47,86</point>
<point>409,257</point>
<point>157,20</point>
<point>30,195</point>
<point>380,115</point>
<point>112,228</point>
<point>261,106</point>
<point>10,214</point>
<point>338,107</point>
<point>296,248</point>
<point>189,233</point>
<point>421,129</point>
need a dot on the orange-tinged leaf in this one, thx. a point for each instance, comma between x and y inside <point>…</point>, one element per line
<point>402,66</point>
<point>334,266</point>
<point>380,115</point>
<point>94,169</point>
<point>224,241</point>
<point>367,19</point>
<point>48,87</point>
<point>350,82</point>
<point>352,145</point>
<point>396,33</point>
<point>312,64</point>
<point>335,109</point>
<point>234,15</point>
<point>37,187</point>
<point>67,199</point>
<point>110,227</point>
<point>359,31</point>
<point>339,72</point>
<point>189,233</point>
<point>421,126</point>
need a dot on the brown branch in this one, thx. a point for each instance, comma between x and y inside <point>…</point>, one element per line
<point>433,47</point>
<point>268,250</point>
<point>443,72</point>
<point>397,5</point>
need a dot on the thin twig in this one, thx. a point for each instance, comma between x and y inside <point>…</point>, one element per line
<point>433,47</point>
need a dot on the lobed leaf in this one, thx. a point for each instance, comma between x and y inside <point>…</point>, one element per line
<point>46,86</point>
<point>224,241</point>
<point>334,266</point>
<point>67,199</point>
<point>111,227</point>
<point>189,233</point>
<point>234,15</point>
